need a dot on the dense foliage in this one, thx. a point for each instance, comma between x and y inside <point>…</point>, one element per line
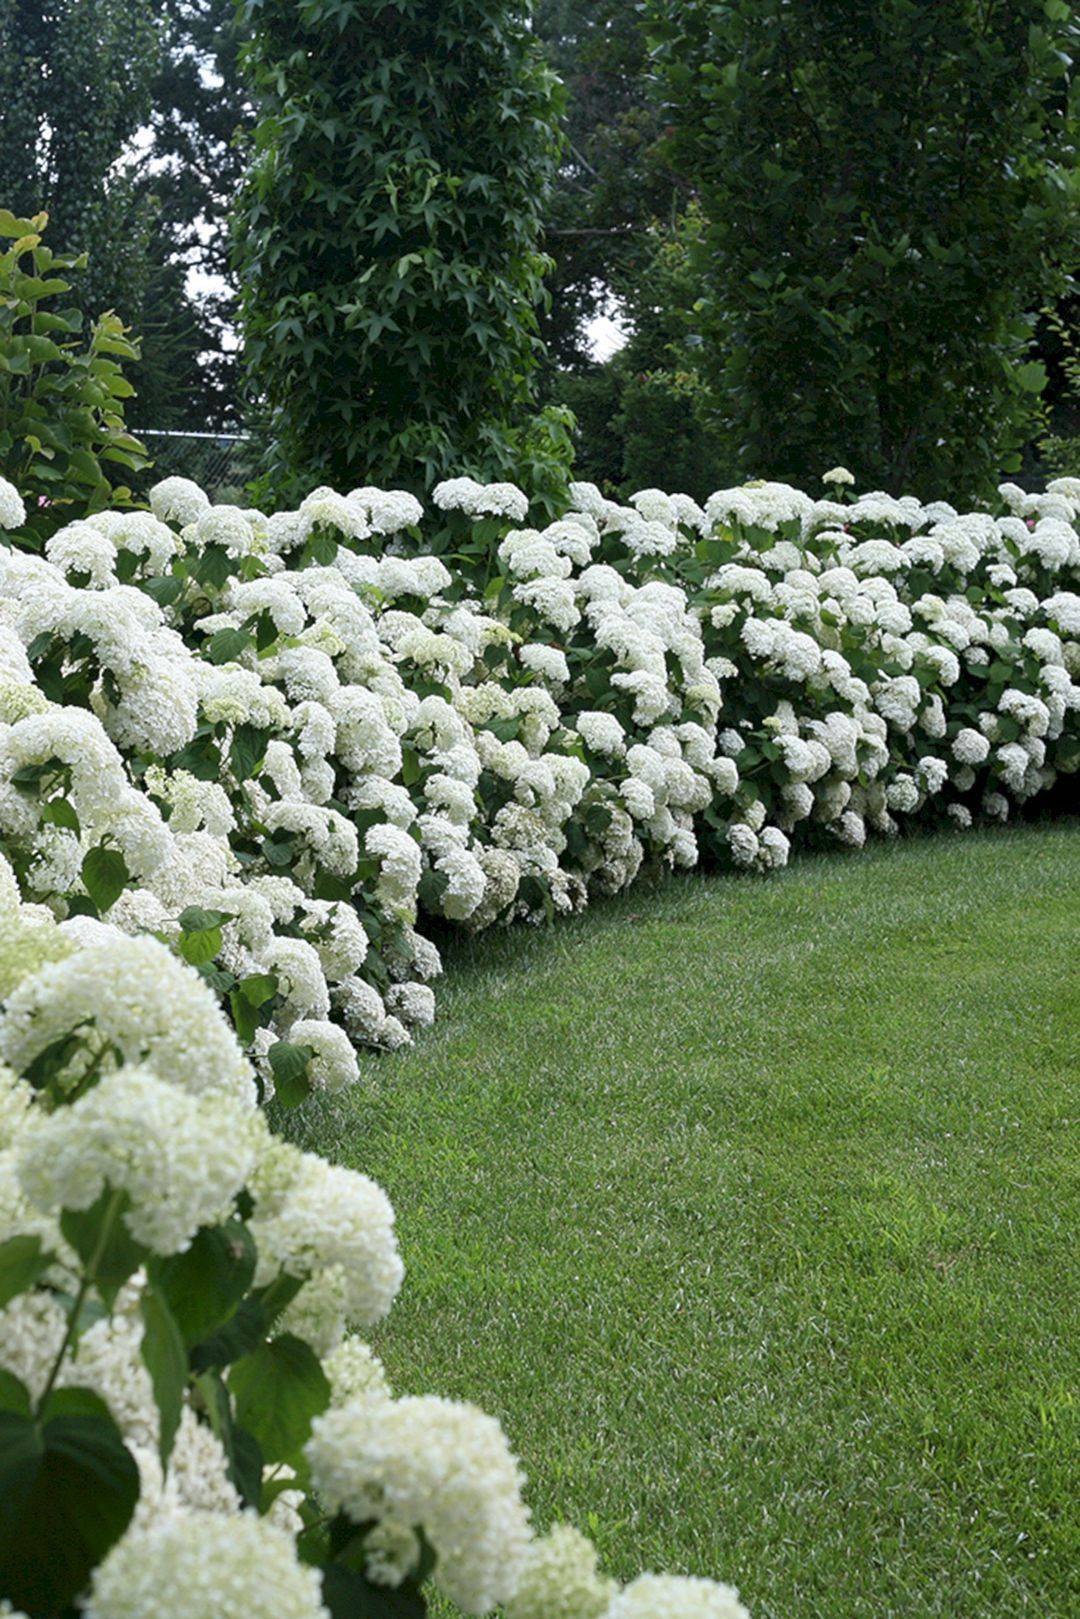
<point>118,121</point>
<point>75,86</point>
<point>62,436</point>
<point>187,173</point>
<point>387,236</point>
<point>891,193</point>
<point>611,188</point>
<point>239,756</point>
<point>646,416</point>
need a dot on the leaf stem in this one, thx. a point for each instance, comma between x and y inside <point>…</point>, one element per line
<point>85,1283</point>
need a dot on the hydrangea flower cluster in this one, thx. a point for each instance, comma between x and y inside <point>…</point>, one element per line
<point>190,1429</point>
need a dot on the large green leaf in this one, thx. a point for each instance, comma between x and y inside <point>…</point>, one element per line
<point>105,876</point>
<point>204,1285</point>
<point>165,1358</point>
<point>245,1461</point>
<point>279,1389</point>
<point>22,1261</point>
<point>68,1488</point>
<point>289,1064</point>
<point>224,646</point>
<point>100,1237</point>
<point>348,1595</point>
<point>247,750</point>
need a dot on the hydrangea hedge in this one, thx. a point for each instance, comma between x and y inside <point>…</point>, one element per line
<point>242,757</point>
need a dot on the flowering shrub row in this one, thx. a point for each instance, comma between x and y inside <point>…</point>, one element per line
<point>240,758</point>
<point>274,742</point>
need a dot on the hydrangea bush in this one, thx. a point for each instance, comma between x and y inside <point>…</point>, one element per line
<point>242,759</point>
<point>278,743</point>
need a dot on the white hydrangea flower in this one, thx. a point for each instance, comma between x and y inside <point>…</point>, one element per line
<point>601,732</point>
<point>561,1580</point>
<point>132,996</point>
<point>398,855</point>
<point>195,1565</point>
<point>334,1064</point>
<point>432,1464</point>
<point>547,661</point>
<point>12,510</point>
<point>970,747</point>
<point>180,1159</point>
<point>178,500</point>
<point>414,1004</point>
<point>311,1218</point>
<point>668,1596</point>
<point>481,500</point>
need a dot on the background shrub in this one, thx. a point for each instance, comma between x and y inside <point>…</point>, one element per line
<point>63,442</point>
<point>890,192</point>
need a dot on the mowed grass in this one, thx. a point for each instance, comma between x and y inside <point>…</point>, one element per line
<point>750,1208</point>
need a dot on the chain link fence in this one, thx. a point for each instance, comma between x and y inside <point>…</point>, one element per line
<point>220,463</point>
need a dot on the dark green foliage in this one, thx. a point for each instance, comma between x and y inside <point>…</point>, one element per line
<point>644,419</point>
<point>387,236</point>
<point>118,119</point>
<point>612,190</point>
<point>1059,346</point>
<point>63,443</point>
<point>618,227</point>
<point>891,192</point>
<point>75,89</point>
<point>279,1388</point>
<point>68,1488</point>
<point>187,377</point>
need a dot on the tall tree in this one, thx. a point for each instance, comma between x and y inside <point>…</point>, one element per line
<point>191,166</point>
<point>613,189</point>
<point>75,89</point>
<point>388,234</point>
<point>891,192</point>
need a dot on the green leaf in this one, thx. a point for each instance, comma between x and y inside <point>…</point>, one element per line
<point>105,876</point>
<point>204,1286</point>
<point>14,228</point>
<point>68,1488</point>
<point>100,1237</point>
<point>289,1065</point>
<point>410,765</point>
<point>165,1358</point>
<point>239,1335</point>
<point>22,1261</point>
<point>246,999</point>
<point>59,812</point>
<point>201,930</point>
<point>199,919</point>
<point>199,948</point>
<point>248,749</point>
<point>258,988</point>
<point>224,646</point>
<point>348,1595</point>
<point>83,466</point>
<point>245,1464</point>
<point>14,1396</point>
<point>164,590</point>
<point>245,1018</point>
<point>278,1390</point>
<point>1032,377</point>
<point>215,566</point>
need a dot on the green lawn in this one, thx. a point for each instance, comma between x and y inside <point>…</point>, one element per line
<point>750,1207</point>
